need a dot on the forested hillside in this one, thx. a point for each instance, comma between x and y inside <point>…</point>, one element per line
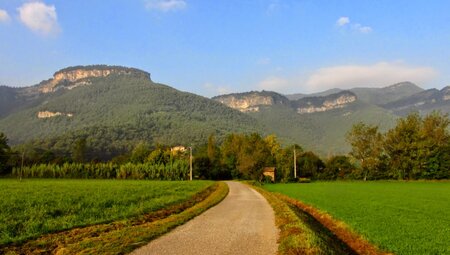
<point>115,112</point>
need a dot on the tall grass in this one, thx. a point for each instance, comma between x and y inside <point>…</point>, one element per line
<point>176,170</point>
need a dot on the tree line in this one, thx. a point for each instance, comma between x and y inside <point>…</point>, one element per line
<point>416,148</point>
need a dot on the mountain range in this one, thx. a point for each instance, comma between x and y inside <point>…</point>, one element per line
<point>115,107</point>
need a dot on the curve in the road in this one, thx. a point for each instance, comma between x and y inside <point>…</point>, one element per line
<point>243,223</point>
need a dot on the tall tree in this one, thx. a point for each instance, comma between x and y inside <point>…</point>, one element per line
<point>337,167</point>
<point>213,150</point>
<point>4,152</point>
<point>310,165</point>
<point>79,150</point>
<point>366,142</point>
<point>285,163</point>
<point>402,145</point>
<point>230,151</point>
<point>140,152</point>
<point>434,157</point>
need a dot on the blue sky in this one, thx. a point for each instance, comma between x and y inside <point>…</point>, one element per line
<point>223,46</point>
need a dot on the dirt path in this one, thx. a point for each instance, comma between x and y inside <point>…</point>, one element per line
<point>243,223</point>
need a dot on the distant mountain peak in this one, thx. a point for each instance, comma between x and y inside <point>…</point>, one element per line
<point>72,77</point>
<point>403,85</point>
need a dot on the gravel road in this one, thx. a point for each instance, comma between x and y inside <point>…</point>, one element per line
<point>243,223</point>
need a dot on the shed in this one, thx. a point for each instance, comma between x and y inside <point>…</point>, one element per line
<point>269,171</point>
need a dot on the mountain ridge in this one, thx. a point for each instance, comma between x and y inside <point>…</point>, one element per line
<point>114,107</point>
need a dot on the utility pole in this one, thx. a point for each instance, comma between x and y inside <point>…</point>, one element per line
<point>190,164</point>
<point>295,164</point>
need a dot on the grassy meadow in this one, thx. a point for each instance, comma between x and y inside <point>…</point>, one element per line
<point>401,217</point>
<point>32,207</point>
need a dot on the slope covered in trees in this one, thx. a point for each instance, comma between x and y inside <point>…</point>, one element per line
<point>116,111</point>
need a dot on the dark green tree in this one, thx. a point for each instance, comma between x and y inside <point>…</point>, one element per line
<point>285,163</point>
<point>367,147</point>
<point>4,153</point>
<point>337,167</point>
<point>434,156</point>
<point>309,165</point>
<point>140,152</point>
<point>402,145</point>
<point>79,150</point>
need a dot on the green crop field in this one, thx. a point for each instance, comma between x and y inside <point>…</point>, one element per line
<point>401,217</point>
<point>30,208</point>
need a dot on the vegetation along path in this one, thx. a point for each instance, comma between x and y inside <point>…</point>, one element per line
<point>243,223</point>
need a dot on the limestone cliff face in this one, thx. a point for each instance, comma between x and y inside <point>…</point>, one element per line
<point>251,101</point>
<point>322,104</point>
<point>73,77</point>
<point>247,103</point>
<point>446,93</point>
<point>48,114</point>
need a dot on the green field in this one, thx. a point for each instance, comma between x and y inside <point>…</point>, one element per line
<point>401,217</point>
<point>32,207</point>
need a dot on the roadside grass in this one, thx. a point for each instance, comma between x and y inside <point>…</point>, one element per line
<point>150,208</point>
<point>299,232</point>
<point>399,217</point>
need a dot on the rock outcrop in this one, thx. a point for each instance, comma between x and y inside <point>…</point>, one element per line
<point>73,77</point>
<point>251,101</point>
<point>327,103</point>
<point>48,114</point>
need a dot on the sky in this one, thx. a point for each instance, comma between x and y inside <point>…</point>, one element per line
<point>226,46</point>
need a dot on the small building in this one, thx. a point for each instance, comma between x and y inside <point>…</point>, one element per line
<point>178,149</point>
<point>269,171</point>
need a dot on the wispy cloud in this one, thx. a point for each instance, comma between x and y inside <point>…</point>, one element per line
<point>376,75</point>
<point>165,5</point>
<point>342,21</point>
<point>4,16</point>
<point>39,17</point>
<point>362,29</point>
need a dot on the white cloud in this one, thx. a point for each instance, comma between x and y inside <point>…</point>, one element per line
<point>4,16</point>
<point>39,17</point>
<point>362,29</point>
<point>274,83</point>
<point>342,21</point>
<point>166,5</point>
<point>376,75</point>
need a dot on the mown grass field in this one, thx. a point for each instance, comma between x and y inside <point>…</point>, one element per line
<point>401,217</point>
<point>30,208</point>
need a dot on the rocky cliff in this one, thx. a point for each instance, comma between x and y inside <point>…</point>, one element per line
<point>325,103</point>
<point>73,77</point>
<point>251,101</point>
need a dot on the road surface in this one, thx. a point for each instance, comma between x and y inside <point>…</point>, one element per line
<point>243,223</point>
